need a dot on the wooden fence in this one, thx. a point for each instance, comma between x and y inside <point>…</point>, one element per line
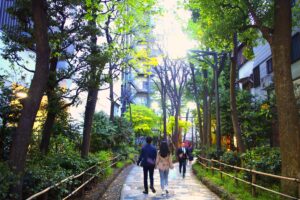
<point>213,164</point>
<point>86,177</point>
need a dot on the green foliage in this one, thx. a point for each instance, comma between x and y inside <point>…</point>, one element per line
<point>144,120</point>
<point>266,159</point>
<point>6,178</point>
<point>231,158</point>
<point>120,164</point>
<point>242,192</point>
<point>185,125</point>
<point>255,119</point>
<point>110,135</point>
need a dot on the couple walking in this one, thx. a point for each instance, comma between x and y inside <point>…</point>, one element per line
<point>150,159</point>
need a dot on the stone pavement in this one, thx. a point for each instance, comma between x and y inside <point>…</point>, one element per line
<point>179,188</point>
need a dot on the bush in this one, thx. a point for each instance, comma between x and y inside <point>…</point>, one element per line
<point>6,178</point>
<point>120,164</point>
<point>265,159</point>
<point>231,158</point>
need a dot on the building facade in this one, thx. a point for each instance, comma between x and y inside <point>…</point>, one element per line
<point>256,75</point>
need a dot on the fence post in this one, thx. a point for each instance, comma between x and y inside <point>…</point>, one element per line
<point>235,175</point>
<point>253,182</point>
<point>298,185</point>
<point>211,166</point>
<point>220,167</point>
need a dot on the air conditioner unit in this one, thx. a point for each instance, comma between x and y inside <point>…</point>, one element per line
<point>266,81</point>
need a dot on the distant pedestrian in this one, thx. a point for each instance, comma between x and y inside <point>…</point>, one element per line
<point>147,160</point>
<point>190,153</point>
<point>182,156</point>
<point>163,164</point>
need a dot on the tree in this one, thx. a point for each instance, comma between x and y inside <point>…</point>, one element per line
<point>178,73</point>
<point>196,94</point>
<point>160,72</point>
<point>144,120</point>
<point>37,87</point>
<point>273,19</point>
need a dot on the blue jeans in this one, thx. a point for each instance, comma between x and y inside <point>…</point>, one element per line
<point>163,178</point>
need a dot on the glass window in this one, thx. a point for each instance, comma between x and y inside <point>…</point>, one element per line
<point>256,77</point>
<point>269,66</point>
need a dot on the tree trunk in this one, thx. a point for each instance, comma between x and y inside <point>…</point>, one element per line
<point>209,139</point>
<point>234,116</point>
<point>196,97</point>
<point>93,86</point>
<point>176,131</point>
<point>111,95</point>
<point>52,108</point>
<point>44,146</point>
<point>205,109</point>
<point>37,87</point>
<point>164,108</point>
<point>2,138</point>
<point>288,117</point>
<point>88,120</point>
<point>186,119</point>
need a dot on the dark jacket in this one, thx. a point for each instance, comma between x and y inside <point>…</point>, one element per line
<point>148,156</point>
<point>183,156</point>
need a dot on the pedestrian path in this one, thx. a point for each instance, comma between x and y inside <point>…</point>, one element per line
<point>179,188</point>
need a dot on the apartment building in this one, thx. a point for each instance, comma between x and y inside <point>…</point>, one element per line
<point>256,75</point>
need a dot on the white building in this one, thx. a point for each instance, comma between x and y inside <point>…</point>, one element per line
<point>256,75</point>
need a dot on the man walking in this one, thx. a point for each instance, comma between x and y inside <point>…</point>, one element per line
<point>182,157</point>
<point>147,159</point>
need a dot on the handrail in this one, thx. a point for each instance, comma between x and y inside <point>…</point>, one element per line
<point>71,178</point>
<point>253,172</point>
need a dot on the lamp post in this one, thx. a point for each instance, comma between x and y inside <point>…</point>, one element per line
<point>200,55</point>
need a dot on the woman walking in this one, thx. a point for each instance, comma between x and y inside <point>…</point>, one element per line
<point>163,164</point>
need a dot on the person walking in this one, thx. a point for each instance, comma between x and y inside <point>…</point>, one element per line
<point>190,153</point>
<point>163,164</point>
<point>147,160</point>
<point>182,156</point>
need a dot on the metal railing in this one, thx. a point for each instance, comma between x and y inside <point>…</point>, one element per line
<point>44,192</point>
<point>212,165</point>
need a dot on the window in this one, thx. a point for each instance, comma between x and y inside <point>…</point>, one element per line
<point>256,77</point>
<point>296,47</point>
<point>269,66</point>
<point>145,85</point>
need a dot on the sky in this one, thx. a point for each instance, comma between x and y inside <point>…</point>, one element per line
<point>169,29</point>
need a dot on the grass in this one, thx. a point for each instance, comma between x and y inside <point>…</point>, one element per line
<point>241,191</point>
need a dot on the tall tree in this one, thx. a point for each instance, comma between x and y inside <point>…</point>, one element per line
<point>37,87</point>
<point>160,72</point>
<point>234,114</point>
<point>178,73</point>
<point>196,94</point>
<point>273,19</point>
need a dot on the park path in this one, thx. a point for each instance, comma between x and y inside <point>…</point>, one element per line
<point>179,188</point>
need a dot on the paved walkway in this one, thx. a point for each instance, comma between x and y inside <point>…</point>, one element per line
<point>179,189</point>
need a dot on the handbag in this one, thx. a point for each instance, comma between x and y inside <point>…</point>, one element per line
<point>150,161</point>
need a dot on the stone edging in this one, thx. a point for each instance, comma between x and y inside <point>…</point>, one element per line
<point>215,188</point>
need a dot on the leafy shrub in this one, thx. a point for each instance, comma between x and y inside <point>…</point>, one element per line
<point>231,158</point>
<point>120,164</point>
<point>110,135</point>
<point>265,159</point>
<point>6,178</point>
<point>212,153</point>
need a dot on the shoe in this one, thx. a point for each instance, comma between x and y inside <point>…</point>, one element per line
<point>167,192</point>
<point>152,189</point>
<point>183,176</point>
<point>145,192</point>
